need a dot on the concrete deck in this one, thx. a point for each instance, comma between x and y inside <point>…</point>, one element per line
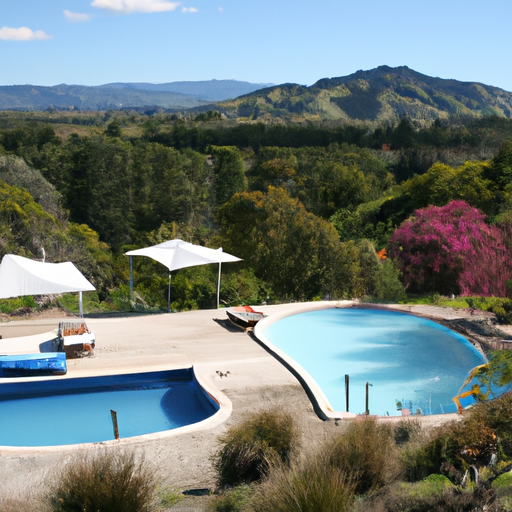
<point>204,339</point>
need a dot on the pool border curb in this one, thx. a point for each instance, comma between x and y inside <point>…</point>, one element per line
<point>210,390</point>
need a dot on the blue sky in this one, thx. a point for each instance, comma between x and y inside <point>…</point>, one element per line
<point>93,42</point>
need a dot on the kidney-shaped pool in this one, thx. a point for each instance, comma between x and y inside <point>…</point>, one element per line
<point>411,364</point>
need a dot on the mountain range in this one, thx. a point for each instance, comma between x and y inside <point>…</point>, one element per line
<point>172,95</point>
<point>380,94</point>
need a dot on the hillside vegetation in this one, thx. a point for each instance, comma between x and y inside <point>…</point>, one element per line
<point>381,94</point>
<point>310,209</point>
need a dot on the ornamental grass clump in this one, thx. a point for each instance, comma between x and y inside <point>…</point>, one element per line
<point>249,449</point>
<point>108,481</point>
<point>310,485</point>
<point>366,451</point>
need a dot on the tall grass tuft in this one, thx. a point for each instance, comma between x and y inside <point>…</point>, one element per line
<point>109,481</point>
<point>249,449</point>
<point>366,451</point>
<point>313,486</point>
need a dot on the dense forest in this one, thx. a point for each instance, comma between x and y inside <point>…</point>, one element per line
<point>337,210</point>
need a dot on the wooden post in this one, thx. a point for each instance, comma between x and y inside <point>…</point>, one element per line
<point>114,422</point>
<point>347,385</point>
<point>367,399</point>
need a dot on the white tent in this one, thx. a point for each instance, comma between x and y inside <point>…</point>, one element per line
<point>175,254</point>
<point>21,276</point>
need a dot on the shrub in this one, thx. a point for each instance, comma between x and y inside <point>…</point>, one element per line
<point>406,430</point>
<point>387,285</point>
<point>108,481</point>
<point>484,436</point>
<point>249,449</point>
<point>425,497</point>
<point>366,452</point>
<point>450,249</point>
<point>25,303</point>
<point>313,485</point>
<point>504,480</point>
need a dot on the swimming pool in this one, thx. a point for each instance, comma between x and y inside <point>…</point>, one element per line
<point>411,363</point>
<point>77,410</point>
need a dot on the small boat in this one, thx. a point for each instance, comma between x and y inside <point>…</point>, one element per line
<point>244,316</point>
<point>27,365</point>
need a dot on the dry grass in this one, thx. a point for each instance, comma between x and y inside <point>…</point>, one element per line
<point>312,485</point>
<point>248,450</point>
<point>105,481</point>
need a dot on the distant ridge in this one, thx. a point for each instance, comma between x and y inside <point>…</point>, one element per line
<point>383,93</point>
<point>208,90</point>
<point>173,95</point>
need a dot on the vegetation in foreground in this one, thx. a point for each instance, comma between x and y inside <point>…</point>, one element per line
<point>400,466</point>
<point>383,465</point>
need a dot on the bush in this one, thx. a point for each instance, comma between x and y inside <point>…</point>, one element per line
<point>108,481</point>
<point>366,451</point>
<point>249,449</point>
<point>428,497</point>
<point>313,486</point>
<point>25,303</point>
<point>387,285</point>
<point>406,430</point>
<point>484,436</point>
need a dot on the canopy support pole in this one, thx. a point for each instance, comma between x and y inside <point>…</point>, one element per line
<point>169,295</point>
<point>80,305</point>
<point>131,277</point>
<point>218,286</point>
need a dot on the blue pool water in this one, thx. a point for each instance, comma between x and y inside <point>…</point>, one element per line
<point>405,358</point>
<point>71,411</point>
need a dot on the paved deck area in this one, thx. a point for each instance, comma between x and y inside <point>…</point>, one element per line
<point>205,339</point>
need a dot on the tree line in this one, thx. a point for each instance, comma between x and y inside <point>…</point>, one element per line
<point>307,208</point>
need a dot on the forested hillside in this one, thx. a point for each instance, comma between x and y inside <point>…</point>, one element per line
<point>312,210</point>
<point>380,94</point>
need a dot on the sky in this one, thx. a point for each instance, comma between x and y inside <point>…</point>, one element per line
<point>95,42</point>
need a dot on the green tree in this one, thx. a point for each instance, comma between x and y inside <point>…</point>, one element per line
<point>387,284</point>
<point>99,194</point>
<point>114,129</point>
<point>297,253</point>
<point>228,169</point>
<point>500,171</point>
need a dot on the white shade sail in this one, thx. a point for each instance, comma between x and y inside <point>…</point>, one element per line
<point>21,276</point>
<point>175,254</point>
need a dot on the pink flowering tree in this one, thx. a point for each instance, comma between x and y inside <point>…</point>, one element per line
<point>450,249</point>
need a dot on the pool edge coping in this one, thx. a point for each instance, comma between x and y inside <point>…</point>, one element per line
<point>211,391</point>
<point>320,403</point>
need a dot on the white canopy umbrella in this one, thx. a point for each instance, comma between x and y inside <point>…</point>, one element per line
<point>22,276</point>
<point>175,254</point>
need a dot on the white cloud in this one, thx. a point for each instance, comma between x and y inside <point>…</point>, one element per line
<point>188,9</point>
<point>130,6</point>
<point>22,34</point>
<point>76,17</point>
